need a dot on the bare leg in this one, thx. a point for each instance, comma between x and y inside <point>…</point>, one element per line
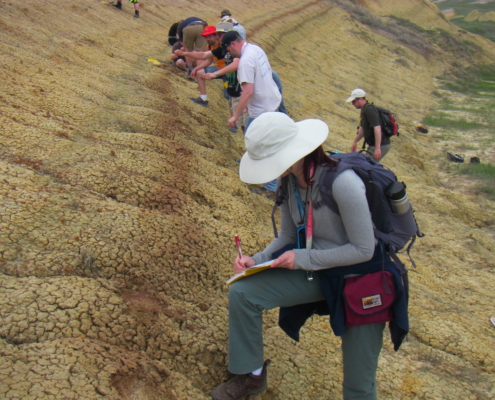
<point>200,77</point>
<point>181,65</point>
<point>189,61</point>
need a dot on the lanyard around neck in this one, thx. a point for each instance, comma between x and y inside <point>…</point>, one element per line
<point>308,222</point>
<point>298,199</point>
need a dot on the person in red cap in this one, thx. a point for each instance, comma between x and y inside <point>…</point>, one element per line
<point>213,36</point>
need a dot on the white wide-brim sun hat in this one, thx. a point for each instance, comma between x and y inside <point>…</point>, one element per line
<point>274,143</point>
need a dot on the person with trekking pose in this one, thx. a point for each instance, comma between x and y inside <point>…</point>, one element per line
<point>369,127</point>
<point>314,253</point>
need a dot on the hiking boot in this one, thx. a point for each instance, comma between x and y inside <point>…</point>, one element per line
<point>200,101</point>
<point>242,385</point>
<point>117,5</point>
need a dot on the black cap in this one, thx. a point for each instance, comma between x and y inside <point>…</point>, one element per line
<point>229,37</point>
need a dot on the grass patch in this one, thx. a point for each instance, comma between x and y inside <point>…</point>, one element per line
<point>484,172</point>
<point>471,80</point>
<point>438,94</point>
<point>485,29</point>
<point>460,48</point>
<point>403,62</point>
<point>481,170</point>
<point>466,146</point>
<point>441,120</point>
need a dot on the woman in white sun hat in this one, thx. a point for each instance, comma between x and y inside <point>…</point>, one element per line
<point>279,147</point>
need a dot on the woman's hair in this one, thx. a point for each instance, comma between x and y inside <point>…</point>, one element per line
<point>317,157</point>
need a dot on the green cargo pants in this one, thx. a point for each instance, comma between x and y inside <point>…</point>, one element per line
<point>279,287</point>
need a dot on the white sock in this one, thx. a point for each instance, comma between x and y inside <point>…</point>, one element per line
<point>257,372</point>
<point>203,97</point>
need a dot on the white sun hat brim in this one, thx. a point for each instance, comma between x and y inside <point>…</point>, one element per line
<point>274,143</point>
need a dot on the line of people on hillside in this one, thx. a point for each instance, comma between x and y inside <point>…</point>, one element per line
<point>279,147</point>
<point>207,52</point>
<point>248,86</point>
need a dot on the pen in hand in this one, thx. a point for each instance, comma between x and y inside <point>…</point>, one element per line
<point>238,245</point>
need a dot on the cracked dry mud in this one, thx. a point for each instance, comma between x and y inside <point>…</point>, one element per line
<point>120,198</point>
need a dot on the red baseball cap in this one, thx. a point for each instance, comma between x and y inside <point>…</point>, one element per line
<point>209,30</point>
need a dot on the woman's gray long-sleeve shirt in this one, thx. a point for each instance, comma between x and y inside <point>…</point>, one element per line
<point>338,239</point>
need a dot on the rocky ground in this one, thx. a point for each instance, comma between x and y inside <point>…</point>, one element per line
<point>120,199</point>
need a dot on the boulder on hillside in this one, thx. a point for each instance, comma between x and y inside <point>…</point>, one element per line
<point>472,16</point>
<point>449,13</point>
<point>489,16</point>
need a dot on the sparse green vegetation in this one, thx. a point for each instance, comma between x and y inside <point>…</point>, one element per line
<point>467,146</point>
<point>472,111</point>
<point>448,42</point>
<point>403,62</point>
<point>484,172</point>
<point>481,170</point>
<point>409,34</point>
<point>473,80</point>
<point>485,28</point>
<point>443,120</point>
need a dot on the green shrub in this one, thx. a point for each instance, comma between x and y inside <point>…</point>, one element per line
<point>403,62</point>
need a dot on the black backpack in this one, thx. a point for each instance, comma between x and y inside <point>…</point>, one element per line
<point>394,230</point>
<point>388,121</point>
<point>233,85</point>
<point>172,39</point>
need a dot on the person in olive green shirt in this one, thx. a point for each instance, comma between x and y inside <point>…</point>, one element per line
<point>369,127</point>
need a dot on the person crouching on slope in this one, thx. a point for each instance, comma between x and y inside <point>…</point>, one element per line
<point>337,245</point>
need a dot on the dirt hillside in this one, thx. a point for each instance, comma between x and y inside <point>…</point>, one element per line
<point>120,199</point>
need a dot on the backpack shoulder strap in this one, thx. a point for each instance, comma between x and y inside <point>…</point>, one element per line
<point>361,166</point>
<point>326,182</point>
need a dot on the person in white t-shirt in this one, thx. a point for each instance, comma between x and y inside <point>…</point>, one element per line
<point>260,93</point>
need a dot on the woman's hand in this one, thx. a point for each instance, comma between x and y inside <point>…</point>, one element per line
<point>241,264</point>
<point>286,260</point>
